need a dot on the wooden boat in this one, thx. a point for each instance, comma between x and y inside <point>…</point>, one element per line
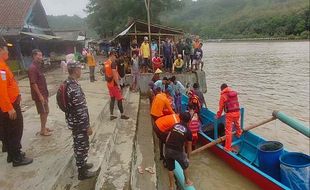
<point>245,161</point>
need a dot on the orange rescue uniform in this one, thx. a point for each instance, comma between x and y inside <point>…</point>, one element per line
<point>159,103</point>
<point>9,91</point>
<point>231,117</point>
<point>165,123</point>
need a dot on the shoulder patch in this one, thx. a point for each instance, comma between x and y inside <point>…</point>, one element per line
<point>3,75</point>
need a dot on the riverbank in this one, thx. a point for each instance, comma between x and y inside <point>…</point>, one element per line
<point>258,39</point>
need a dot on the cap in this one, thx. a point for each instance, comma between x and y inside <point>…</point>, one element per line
<point>74,64</point>
<point>158,71</point>
<point>146,38</point>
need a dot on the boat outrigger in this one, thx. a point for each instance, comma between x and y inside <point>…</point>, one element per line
<point>245,160</point>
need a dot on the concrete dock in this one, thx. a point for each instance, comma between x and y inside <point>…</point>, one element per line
<point>118,147</point>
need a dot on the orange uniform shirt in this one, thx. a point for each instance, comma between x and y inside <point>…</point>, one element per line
<point>159,103</point>
<point>166,123</point>
<point>9,90</point>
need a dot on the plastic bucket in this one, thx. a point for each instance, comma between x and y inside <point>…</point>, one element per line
<point>268,155</point>
<point>295,170</point>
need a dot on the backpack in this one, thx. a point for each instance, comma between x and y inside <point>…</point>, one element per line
<point>61,97</point>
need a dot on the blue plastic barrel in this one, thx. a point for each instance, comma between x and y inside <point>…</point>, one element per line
<point>268,155</point>
<point>295,170</point>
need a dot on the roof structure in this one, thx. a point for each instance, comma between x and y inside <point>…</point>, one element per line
<point>140,28</point>
<point>22,15</point>
<point>70,35</point>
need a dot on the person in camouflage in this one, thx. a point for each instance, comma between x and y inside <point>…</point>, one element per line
<point>77,118</point>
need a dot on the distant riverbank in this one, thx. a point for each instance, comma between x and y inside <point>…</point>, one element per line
<point>258,39</point>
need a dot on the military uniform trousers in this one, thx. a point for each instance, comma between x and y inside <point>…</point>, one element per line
<point>80,146</point>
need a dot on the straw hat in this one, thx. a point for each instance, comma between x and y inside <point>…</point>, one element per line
<point>158,71</point>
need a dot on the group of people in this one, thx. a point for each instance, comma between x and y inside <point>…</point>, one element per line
<point>70,99</point>
<point>177,125</point>
<point>183,56</point>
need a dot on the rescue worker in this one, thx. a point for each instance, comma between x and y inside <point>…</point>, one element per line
<point>91,64</point>
<point>230,104</point>
<point>162,127</point>
<point>193,100</point>
<point>39,91</point>
<point>77,118</point>
<point>112,78</point>
<point>11,117</point>
<point>179,136</point>
<point>160,103</point>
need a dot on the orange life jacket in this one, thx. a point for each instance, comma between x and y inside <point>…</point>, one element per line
<point>109,73</point>
<point>232,103</point>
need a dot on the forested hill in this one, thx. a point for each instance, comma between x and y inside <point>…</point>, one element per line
<point>242,18</point>
<point>65,22</point>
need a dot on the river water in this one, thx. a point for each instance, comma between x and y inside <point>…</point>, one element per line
<point>268,76</point>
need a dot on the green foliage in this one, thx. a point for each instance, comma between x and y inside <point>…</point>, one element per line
<point>109,16</point>
<point>242,18</point>
<point>65,22</point>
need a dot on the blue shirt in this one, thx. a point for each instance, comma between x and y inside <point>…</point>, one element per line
<point>177,88</point>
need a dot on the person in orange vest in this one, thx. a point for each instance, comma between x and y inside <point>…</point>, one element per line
<point>112,78</point>
<point>159,104</point>
<point>162,127</point>
<point>91,64</point>
<point>230,105</point>
<point>10,112</point>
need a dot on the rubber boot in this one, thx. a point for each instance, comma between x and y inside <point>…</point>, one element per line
<point>9,159</point>
<point>89,165</point>
<point>21,160</point>
<point>85,174</point>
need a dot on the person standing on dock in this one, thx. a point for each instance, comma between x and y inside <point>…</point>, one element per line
<point>91,64</point>
<point>230,104</point>
<point>11,117</point>
<point>168,53</point>
<point>179,136</point>
<point>77,118</point>
<point>39,91</point>
<point>112,78</point>
<point>146,54</point>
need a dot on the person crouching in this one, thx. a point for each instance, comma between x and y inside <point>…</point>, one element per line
<point>77,118</point>
<point>179,135</point>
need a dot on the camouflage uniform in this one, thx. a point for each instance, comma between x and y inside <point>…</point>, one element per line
<point>77,119</point>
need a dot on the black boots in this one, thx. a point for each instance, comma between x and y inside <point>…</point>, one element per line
<point>84,173</point>
<point>9,159</point>
<point>21,160</point>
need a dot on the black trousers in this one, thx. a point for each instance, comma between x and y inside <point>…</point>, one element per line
<point>92,73</point>
<point>12,131</point>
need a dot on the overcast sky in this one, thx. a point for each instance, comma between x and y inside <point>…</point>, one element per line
<point>65,7</point>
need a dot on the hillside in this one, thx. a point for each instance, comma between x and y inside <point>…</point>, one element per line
<point>242,18</point>
<point>65,22</point>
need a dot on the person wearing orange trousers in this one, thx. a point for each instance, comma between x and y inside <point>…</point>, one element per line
<point>229,103</point>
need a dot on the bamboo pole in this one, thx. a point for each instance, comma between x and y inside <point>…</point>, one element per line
<point>221,139</point>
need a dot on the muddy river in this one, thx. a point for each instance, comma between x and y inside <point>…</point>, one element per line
<point>269,76</point>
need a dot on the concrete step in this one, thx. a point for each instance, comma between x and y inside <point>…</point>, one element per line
<point>115,173</point>
<point>144,151</point>
<point>101,146</point>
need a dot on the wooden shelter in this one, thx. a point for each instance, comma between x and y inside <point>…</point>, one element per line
<point>137,29</point>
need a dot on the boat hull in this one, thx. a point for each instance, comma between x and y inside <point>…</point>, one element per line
<point>240,167</point>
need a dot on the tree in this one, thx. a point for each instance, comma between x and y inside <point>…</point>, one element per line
<point>109,16</point>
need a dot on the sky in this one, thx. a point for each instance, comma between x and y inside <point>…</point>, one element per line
<point>65,7</point>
